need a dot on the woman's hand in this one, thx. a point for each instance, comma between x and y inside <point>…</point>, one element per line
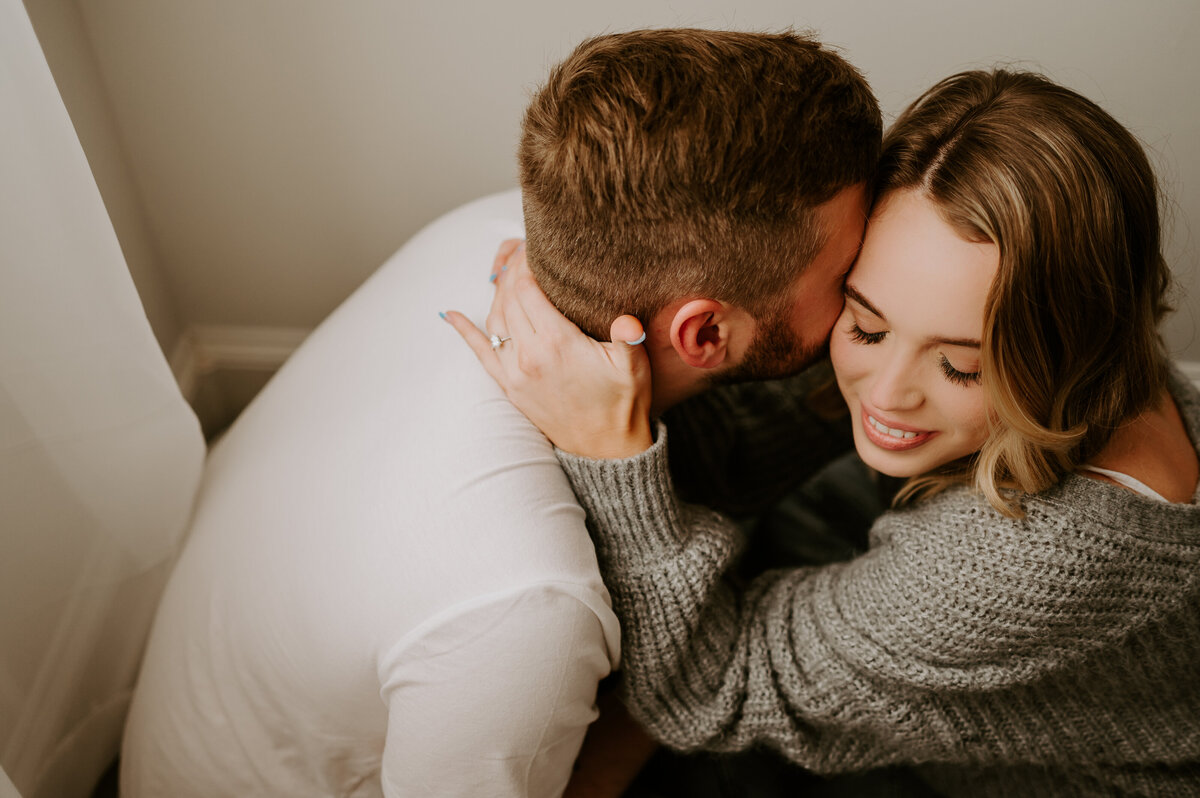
<point>588,397</point>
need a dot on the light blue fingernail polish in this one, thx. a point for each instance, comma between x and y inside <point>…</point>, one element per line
<point>443,315</point>
<point>492,278</point>
<point>641,338</point>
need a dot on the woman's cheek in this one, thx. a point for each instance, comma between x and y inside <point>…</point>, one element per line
<point>846,356</point>
<point>838,340</point>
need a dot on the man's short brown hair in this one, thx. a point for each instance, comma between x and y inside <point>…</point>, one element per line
<point>660,164</point>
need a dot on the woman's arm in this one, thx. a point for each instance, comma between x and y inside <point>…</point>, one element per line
<point>711,666</point>
<point>961,637</point>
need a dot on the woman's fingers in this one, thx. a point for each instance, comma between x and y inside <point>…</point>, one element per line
<point>516,259</point>
<point>543,316</point>
<point>498,321</point>
<point>503,254</point>
<point>627,354</point>
<point>509,299</point>
<point>627,330</point>
<point>495,323</point>
<point>480,344</point>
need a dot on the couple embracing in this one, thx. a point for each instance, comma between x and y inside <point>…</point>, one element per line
<point>1026,617</point>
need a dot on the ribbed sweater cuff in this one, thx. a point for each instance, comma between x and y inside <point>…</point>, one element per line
<point>631,504</point>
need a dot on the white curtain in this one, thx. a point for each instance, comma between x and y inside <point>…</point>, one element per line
<point>100,456</point>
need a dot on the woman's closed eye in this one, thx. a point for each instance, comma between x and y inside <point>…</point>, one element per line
<point>964,378</point>
<point>861,336</point>
<point>958,377</point>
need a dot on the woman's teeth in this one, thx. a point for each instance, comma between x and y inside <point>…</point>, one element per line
<point>886,430</point>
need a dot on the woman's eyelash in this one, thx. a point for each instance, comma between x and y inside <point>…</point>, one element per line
<point>861,336</point>
<point>959,377</point>
<point>965,378</point>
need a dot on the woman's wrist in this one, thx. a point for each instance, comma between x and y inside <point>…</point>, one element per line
<point>613,443</point>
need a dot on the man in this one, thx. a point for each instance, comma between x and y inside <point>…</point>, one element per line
<point>661,167</point>
<point>389,588</point>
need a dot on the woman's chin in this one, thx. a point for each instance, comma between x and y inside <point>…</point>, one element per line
<point>901,464</point>
<point>887,468</point>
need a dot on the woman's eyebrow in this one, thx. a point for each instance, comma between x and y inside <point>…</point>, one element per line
<point>857,296</point>
<point>972,343</point>
<point>853,293</point>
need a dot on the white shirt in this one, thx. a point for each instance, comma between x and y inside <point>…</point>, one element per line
<point>388,588</point>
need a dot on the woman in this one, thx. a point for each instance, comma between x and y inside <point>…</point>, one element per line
<point>1027,618</point>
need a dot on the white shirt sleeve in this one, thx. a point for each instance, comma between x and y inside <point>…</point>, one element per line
<point>493,699</point>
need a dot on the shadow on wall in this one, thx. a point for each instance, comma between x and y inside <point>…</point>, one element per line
<point>222,395</point>
<point>108,786</point>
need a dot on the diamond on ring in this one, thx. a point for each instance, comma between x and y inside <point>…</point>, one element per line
<point>497,341</point>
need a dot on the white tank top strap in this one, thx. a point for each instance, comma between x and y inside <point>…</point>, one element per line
<point>1134,485</point>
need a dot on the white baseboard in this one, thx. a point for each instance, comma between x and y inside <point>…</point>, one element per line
<point>205,348</point>
<point>182,361</point>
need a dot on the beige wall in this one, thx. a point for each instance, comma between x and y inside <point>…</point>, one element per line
<point>281,149</point>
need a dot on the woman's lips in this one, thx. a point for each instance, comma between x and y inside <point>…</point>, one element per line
<point>893,438</point>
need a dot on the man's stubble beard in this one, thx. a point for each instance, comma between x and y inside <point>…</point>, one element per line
<point>775,352</point>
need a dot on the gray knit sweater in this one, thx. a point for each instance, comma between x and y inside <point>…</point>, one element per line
<point>1058,654</point>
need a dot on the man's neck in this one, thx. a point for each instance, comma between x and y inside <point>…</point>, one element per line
<point>673,382</point>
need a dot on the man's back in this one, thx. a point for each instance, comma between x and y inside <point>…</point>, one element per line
<point>388,588</point>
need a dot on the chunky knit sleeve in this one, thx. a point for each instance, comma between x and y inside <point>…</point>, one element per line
<point>962,638</point>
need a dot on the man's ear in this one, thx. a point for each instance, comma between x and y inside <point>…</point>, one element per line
<point>700,332</point>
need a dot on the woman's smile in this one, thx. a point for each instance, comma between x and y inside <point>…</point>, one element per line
<point>890,435</point>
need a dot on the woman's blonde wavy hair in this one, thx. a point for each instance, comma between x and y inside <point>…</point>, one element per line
<point>1070,347</point>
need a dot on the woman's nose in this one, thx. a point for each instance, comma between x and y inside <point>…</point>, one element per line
<point>896,386</point>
